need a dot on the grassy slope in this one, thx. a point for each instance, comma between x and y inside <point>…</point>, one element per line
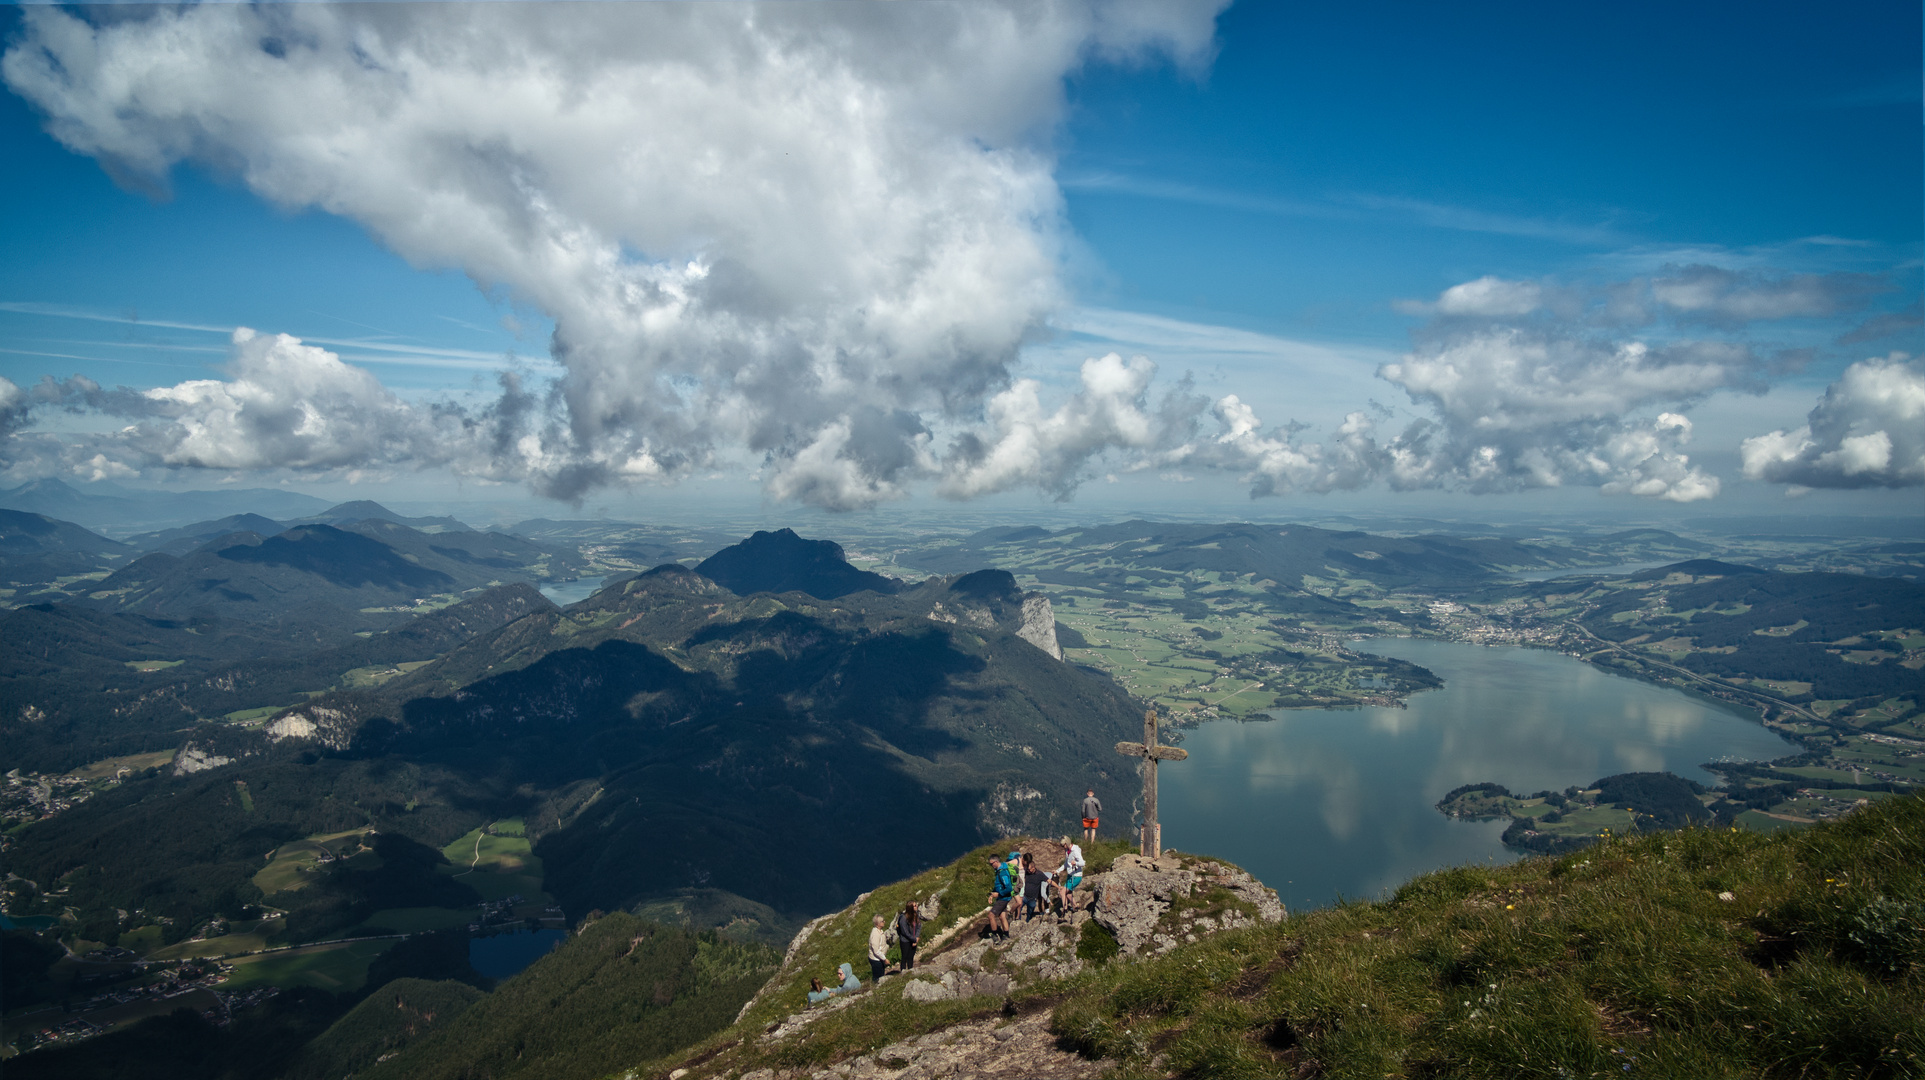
<point>1619,960</point>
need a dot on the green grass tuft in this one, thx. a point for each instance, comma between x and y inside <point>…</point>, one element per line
<point>1095,944</point>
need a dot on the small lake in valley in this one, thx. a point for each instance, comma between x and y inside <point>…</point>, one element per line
<point>501,955</point>
<point>564,593</point>
<point>1322,803</point>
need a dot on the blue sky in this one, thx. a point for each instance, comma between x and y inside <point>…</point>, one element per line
<point>1280,219</point>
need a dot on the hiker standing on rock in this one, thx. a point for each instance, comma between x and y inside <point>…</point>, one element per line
<point>1069,876</point>
<point>1092,812</point>
<point>909,933</point>
<point>878,949</point>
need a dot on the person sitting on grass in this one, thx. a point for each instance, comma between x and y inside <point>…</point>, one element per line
<point>819,993</point>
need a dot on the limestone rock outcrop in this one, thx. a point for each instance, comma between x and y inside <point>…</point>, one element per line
<point>956,984</point>
<point>1039,624</point>
<point>1134,898</point>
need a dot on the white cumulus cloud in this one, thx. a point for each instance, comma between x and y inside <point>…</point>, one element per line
<point>1509,409</point>
<point>1490,296</point>
<point>1029,443</point>
<point>1867,431</point>
<point>286,405</point>
<point>757,227</point>
<point>14,407</point>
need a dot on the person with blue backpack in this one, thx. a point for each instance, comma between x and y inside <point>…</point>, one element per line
<point>1008,874</point>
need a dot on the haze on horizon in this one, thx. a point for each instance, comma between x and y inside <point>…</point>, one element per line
<point>1623,263</point>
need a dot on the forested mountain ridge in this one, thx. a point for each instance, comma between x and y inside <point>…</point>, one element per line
<point>1842,636</point>
<point>36,551</point>
<point>183,539</point>
<point>668,714</point>
<point>79,684</point>
<point>662,738</point>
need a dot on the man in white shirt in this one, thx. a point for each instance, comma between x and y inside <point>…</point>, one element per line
<point>878,949</point>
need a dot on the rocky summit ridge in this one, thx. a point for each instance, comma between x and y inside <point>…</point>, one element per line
<point>956,1006</point>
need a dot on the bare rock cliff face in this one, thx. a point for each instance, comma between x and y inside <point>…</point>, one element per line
<point>190,759</point>
<point>1035,624</point>
<point>1039,625</point>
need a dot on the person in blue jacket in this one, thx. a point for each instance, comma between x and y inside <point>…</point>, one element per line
<point>818,993</point>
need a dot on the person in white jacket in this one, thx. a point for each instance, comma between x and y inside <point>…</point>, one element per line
<point>878,949</point>
<point>1069,876</point>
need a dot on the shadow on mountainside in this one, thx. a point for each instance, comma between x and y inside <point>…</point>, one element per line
<point>775,785</point>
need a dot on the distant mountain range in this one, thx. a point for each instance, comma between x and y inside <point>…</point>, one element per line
<point>1284,554</point>
<point>119,510</point>
<point>368,574</point>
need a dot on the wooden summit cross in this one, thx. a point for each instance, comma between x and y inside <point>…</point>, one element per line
<point>1151,753</point>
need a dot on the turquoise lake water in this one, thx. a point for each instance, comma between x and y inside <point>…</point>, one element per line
<point>1319,804</point>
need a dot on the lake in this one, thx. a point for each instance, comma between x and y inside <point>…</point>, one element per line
<point>564,593</point>
<point>1322,803</point>
<point>502,955</point>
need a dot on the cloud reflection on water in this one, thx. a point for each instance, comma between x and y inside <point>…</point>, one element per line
<point>1318,803</point>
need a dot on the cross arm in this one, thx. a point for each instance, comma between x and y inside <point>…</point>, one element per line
<point>1160,753</point>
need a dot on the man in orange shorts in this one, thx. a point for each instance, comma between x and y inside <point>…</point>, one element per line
<point>1092,807</point>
